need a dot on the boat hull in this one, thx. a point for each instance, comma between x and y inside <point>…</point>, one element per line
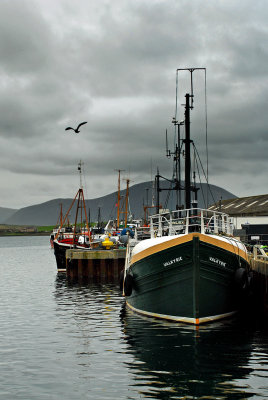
<point>193,280</point>
<point>60,254</point>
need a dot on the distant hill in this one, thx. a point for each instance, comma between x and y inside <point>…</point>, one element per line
<point>47,213</point>
<point>6,213</point>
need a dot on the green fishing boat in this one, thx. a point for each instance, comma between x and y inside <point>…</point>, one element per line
<point>191,269</point>
<point>194,278</point>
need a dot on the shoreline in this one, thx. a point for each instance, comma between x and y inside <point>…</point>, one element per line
<point>24,234</point>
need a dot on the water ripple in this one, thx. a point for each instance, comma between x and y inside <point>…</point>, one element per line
<point>61,340</point>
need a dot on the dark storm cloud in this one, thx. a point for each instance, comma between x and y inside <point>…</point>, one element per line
<point>113,64</point>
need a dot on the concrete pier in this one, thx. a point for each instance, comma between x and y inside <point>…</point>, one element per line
<point>95,265</point>
<point>259,266</point>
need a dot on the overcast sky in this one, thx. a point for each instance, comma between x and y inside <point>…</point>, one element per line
<point>113,64</point>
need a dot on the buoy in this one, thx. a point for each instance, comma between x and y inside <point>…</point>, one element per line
<point>107,243</point>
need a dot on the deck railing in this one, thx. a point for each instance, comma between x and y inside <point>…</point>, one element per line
<point>190,220</point>
<point>142,232</point>
<point>259,253</point>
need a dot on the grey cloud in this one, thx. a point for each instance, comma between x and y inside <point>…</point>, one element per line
<point>25,38</point>
<point>113,64</point>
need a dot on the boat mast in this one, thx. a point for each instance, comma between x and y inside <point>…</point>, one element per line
<point>59,220</point>
<point>177,159</point>
<point>118,198</point>
<point>99,218</point>
<point>61,213</point>
<point>126,205</point>
<point>80,173</point>
<point>187,142</point>
<point>80,205</point>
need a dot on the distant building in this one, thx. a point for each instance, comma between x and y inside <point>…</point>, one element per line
<point>250,216</point>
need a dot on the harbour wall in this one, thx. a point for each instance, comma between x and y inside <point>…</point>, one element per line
<point>97,265</point>
<point>259,267</point>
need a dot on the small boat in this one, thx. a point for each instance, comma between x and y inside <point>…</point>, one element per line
<point>77,235</point>
<point>84,238</point>
<point>65,231</point>
<point>191,269</point>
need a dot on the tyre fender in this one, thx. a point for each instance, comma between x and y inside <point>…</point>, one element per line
<point>121,279</point>
<point>128,284</point>
<point>241,278</point>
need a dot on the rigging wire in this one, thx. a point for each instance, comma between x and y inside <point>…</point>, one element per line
<point>112,212</point>
<point>206,118</point>
<point>199,176</point>
<point>176,107</point>
<point>168,194</point>
<point>176,103</point>
<point>129,209</point>
<point>170,186</point>
<point>208,185</point>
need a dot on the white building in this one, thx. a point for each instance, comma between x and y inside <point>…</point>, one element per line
<point>249,214</point>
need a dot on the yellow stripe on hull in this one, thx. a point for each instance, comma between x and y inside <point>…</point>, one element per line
<point>187,238</point>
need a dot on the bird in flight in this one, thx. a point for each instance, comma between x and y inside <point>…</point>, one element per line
<point>77,129</point>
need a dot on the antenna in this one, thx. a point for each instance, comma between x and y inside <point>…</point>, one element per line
<point>191,70</point>
<point>177,158</point>
<point>152,182</point>
<point>168,154</point>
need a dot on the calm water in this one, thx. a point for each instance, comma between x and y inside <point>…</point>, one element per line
<point>63,341</point>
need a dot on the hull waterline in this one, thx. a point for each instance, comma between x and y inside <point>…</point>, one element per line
<point>190,279</point>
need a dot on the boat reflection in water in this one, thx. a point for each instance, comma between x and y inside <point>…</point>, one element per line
<point>173,361</point>
<point>118,354</point>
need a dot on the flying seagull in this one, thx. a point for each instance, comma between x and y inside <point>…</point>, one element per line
<point>77,129</point>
